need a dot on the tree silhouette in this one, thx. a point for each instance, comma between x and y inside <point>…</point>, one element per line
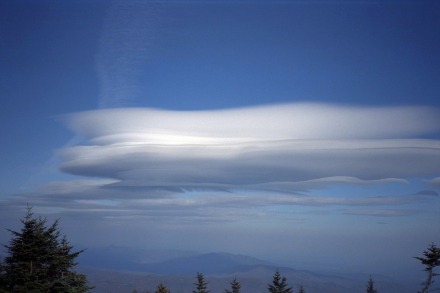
<point>39,260</point>
<point>431,261</point>
<point>279,284</point>
<point>201,285</point>
<point>235,286</point>
<point>370,286</point>
<point>161,288</point>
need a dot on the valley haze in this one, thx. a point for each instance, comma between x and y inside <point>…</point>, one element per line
<point>120,269</point>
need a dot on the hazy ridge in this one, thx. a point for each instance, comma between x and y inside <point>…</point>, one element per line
<point>120,269</point>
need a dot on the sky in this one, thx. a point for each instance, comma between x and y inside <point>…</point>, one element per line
<point>302,132</point>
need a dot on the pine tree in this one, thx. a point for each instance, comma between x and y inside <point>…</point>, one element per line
<point>161,288</point>
<point>201,285</point>
<point>370,286</point>
<point>301,289</point>
<point>431,261</point>
<point>235,286</point>
<point>2,279</point>
<point>39,260</point>
<point>279,284</point>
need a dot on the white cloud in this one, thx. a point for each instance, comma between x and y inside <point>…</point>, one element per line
<point>278,147</point>
<point>435,183</point>
<point>206,165</point>
<point>263,123</point>
<point>72,186</point>
<point>322,182</point>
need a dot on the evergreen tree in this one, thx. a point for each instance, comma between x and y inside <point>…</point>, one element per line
<point>2,279</point>
<point>301,289</point>
<point>431,261</point>
<point>161,288</point>
<point>201,285</point>
<point>370,286</point>
<point>235,286</point>
<point>40,261</point>
<point>279,284</point>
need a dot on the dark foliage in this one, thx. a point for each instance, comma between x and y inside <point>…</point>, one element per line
<point>161,288</point>
<point>235,286</point>
<point>201,285</point>
<point>431,260</point>
<point>279,284</point>
<point>40,260</point>
<point>370,286</point>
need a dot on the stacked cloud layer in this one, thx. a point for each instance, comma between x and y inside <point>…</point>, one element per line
<point>276,147</point>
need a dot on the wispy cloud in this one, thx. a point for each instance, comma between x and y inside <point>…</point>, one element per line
<point>428,192</point>
<point>383,213</point>
<point>101,202</point>
<point>129,32</point>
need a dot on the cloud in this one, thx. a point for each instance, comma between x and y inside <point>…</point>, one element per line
<point>302,121</point>
<point>285,148</point>
<point>435,183</point>
<point>428,192</point>
<point>323,182</point>
<point>384,213</point>
<point>227,165</point>
<point>129,32</point>
<point>72,186</point>
<point>93,196</point>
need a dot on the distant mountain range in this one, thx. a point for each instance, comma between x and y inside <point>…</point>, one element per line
<point>120,269</point>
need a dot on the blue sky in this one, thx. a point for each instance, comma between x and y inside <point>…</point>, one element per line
<point>308,128</point>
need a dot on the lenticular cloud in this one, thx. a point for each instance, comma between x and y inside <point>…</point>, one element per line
<point>267,147</point>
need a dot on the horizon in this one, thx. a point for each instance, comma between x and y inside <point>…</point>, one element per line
<point>292,131</point>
